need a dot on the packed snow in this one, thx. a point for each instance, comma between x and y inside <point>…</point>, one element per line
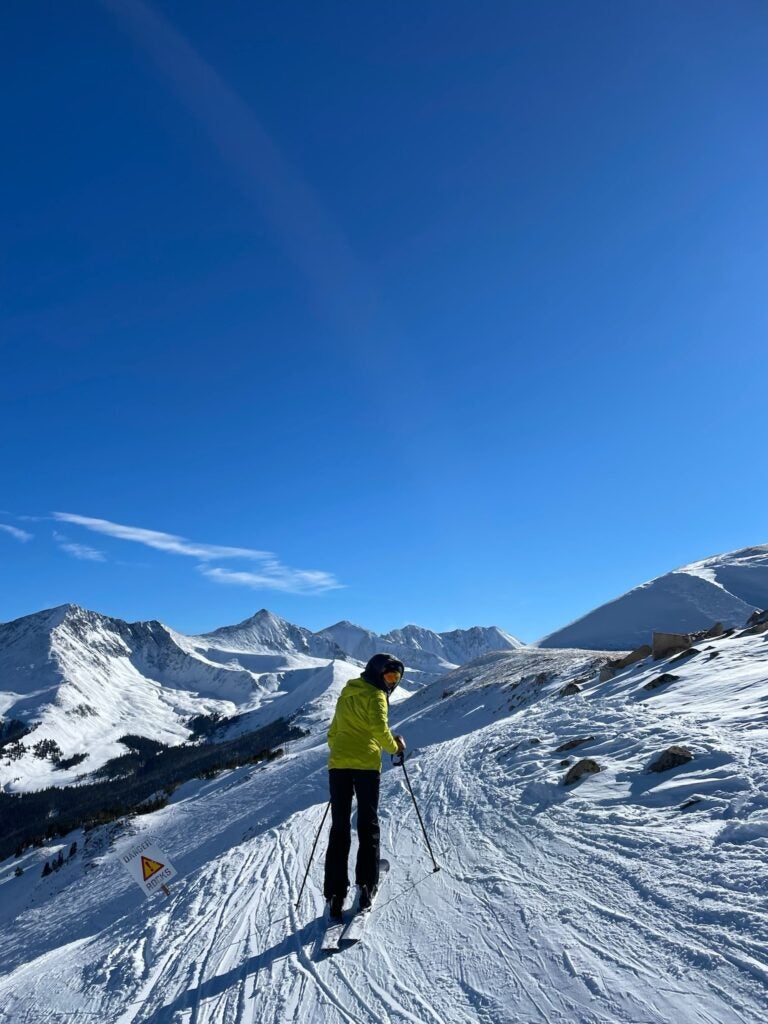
<point>629,896</point>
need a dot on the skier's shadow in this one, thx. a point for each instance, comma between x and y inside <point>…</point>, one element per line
<point>193,997</point>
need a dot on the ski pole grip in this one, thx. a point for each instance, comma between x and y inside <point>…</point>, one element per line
<point>397,759</point>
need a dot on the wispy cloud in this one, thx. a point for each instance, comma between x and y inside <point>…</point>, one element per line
<point>14,531</point>
<point>274,576</point>
<point>162,541</point>
<point>81,551</point>
<point>271,574</point>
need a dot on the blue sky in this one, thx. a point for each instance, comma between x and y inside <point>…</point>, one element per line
<point>444,313</point>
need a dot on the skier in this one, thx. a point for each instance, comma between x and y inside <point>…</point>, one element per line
<point>358,734</point>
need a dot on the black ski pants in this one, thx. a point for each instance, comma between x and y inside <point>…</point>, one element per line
<point>364,784</point>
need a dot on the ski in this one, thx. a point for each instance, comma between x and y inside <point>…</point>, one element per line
<point>355,929</point>
<point>332,932</point>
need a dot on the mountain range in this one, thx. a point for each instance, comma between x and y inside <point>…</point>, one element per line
<point>636,893</point>
<point>84,680</point>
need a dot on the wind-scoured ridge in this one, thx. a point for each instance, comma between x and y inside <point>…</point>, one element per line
<point>725,588</point>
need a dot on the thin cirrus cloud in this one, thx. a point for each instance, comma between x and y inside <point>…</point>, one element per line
<point>83,552</point>
<point>14,531</point>
<point>275,577</point>
<point>161,541</point>
<point>270,575</point>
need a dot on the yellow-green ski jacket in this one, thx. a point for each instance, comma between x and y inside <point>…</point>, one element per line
<point>359,730</point>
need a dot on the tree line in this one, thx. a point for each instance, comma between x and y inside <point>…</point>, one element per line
<point>149,771</point>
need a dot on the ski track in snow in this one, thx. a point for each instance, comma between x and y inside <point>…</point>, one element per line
<point>596,904</point>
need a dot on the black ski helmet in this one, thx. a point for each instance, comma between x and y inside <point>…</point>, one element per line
<point>379,664</point>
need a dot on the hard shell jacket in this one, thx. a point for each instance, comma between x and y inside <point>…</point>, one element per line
<point>359,730</point>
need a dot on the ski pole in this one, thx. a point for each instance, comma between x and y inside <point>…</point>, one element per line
<point>399,760</point>
<point>312,854</point>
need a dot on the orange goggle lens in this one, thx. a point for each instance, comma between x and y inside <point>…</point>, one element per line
<point>392,677</point>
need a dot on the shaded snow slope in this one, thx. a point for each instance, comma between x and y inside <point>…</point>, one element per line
<point>628,897</point>
<point>724,588</point>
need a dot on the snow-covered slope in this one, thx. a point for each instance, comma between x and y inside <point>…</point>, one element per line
<point>266,632</point>
<point>84,680</point>
<point>628,897</point>
<point>723,588</point>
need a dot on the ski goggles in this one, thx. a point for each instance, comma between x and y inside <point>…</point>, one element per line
<point>392,678</point>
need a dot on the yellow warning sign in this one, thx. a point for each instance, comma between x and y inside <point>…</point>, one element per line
<point>150,867</point>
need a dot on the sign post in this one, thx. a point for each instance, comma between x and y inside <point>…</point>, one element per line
<point>148,867</point>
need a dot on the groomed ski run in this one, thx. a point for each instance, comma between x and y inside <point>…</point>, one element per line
<point>608,901</point>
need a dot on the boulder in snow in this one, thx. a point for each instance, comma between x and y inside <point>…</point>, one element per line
<point>662,680</point>
<point>714,631</point>
<point>685,655</point>
<point>639,654</point>
<point>665,644</point>
<point>758,627</point>
<point>584,767</point>
<point>570,689</point>
<point>672,757</point>
<point>570,744</point>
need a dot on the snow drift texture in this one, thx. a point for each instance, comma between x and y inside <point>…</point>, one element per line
<point>630,896</point>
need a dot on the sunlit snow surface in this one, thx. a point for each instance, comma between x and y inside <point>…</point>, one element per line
<point>725,588</point>
<point>606,902</point>
<point>85,680</point>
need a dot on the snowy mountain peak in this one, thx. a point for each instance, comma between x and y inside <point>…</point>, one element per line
<point>421,649</point>
<point>266,632</point>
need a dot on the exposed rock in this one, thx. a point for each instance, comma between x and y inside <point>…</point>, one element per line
<point>672,757</point>
<point>584,767</point>
<point>713,654</point>
<point>759,627</point>
<point>665,644</point>
<point>685,655</point>
<point>607,672</point>
<point>757,618</point>
<point>570,689</point>
<point>714,631</point>
<point>565,762</point>
<point>534,741</point>
<point>541,678</point>
<point>662,680</point>
<point>570,744</point>
<point>637,655</point>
